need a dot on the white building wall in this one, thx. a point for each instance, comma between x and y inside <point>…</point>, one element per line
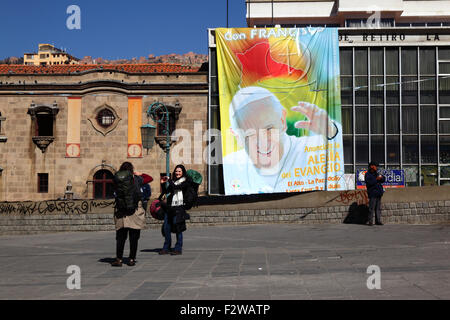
<point>307,9</point>
<point>426,8</point>
<point>303,9</point>
<point>290,9</point>
<point>370,5</point>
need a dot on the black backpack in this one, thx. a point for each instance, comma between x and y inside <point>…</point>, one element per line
<point>191,195</point>
<point>194,179</point>
<point>127,193</point>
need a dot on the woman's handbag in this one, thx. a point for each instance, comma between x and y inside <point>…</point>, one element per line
<point>156,210</point>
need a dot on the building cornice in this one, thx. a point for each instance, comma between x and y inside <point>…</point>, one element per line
<point>104,86</point>
<point>81,73</point>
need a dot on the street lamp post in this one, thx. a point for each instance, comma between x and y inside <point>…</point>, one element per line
<point>154,111</point>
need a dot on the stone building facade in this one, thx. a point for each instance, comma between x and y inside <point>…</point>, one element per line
<point>72,123</point>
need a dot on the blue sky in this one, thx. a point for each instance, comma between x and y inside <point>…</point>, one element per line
<point>115,29</point>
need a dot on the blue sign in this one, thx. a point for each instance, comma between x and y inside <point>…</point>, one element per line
<point>394,178</point>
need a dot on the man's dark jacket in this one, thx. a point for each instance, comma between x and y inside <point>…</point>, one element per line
<point>374,187</point>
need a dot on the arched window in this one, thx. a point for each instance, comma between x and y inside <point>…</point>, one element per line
<point>43,123</point>
<point>174,113</point>
<point>162,126</point>
<point>103,185</point>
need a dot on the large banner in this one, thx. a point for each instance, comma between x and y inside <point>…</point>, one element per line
<point>280,110</point>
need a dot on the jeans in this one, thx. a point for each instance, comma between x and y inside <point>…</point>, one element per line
<point>168,235</point>
<point>375,207</point>
<point>121,237</point>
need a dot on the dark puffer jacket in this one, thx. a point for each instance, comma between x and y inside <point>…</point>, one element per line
<point>177,212</point>
<point>374,186</point>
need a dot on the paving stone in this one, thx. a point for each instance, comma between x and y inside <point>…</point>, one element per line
<point>291,297</point>
<point>289,261</point>
<point>149,291</point>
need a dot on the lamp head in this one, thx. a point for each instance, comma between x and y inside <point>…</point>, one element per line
<point>148,133</point>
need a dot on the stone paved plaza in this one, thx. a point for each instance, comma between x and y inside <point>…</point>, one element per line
<point>256,262</point>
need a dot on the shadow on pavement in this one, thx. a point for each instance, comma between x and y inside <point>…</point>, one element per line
<point>107,260</point>
<point>357,214</point>
<point>152,250</point>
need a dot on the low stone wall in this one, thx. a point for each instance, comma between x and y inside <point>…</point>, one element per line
<point>411,213</point>
<point>406,206</point>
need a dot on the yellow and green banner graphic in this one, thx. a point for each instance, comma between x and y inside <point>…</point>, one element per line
<point>134,124</point>
<point>280,109</point>
<point>73,127</point>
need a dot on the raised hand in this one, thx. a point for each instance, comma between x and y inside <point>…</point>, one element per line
<point>318,120</point>
<point>164,179</point>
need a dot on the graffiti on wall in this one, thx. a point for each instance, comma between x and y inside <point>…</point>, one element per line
<point>350,196</point>
<point>57,207</point>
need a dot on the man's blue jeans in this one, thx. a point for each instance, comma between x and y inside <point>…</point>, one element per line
<point>168,235</point>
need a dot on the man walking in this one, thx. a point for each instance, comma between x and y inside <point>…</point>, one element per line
<point>375,191</point>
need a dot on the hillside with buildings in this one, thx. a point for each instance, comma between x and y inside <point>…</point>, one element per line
<point>190,58</point>
<point>12,60</point>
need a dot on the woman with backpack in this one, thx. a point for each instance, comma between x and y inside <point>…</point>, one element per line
<point>129,215</point>
<point>179,190</point>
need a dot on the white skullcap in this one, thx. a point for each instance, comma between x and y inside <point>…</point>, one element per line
<point>247,95</point>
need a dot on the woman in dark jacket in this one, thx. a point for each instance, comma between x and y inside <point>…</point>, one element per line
<point>174,219</point>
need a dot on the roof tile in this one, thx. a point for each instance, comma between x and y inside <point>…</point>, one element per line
<point>70,69</point>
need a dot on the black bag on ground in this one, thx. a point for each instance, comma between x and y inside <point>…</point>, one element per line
<point>127,194</point>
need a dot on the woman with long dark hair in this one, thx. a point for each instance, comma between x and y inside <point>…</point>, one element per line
<point>175,213</point>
